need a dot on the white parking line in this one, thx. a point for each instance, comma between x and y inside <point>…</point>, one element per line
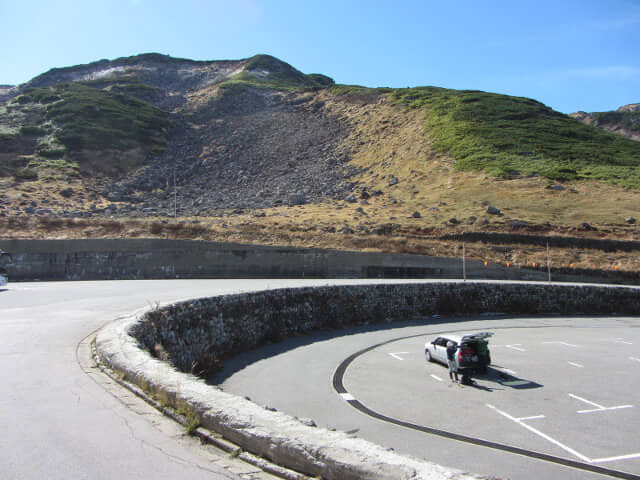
<point>585,400</point>
<point>634,359</point>
<point>513,346</point>
<point>436,377</point>
<point>576,365</point>
<point>561,343</point>
<point>599,408</point>
<point>621,340</point>
<point>520,421</point>
<point>619,407</point>
<point>615,459</point>
<point>397,355</point>
<point>540,434</point>
<point>516,346</point>
<point>535,417</point>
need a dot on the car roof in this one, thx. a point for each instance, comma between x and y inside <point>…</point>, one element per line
<point>466,336</point>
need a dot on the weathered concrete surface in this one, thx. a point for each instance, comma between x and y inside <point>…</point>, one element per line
<point>119,259</point>
<point>150,258</point>
<point>273,435</point>
<point>200,334</point>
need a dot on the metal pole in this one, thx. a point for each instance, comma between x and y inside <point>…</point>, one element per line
<point>548,262</point>
<point>175,195</point>
<point>464,263</point>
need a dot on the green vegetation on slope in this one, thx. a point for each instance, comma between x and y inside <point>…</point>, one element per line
<point>88,118</point>
<point>508,136</point>
<point>629,120</point>
<point>269,72</point>
<point>357,90</point>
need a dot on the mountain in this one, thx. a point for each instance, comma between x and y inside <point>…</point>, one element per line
<point>623,121</point>
<point>258,148</point>
<point>132,124</point>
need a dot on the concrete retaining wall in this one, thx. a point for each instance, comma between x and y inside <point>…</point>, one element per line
<point>95,259</point>
<point>200,334</point>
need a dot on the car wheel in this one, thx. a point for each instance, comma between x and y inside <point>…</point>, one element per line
<point>427,354</point>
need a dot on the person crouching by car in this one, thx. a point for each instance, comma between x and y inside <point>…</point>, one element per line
<point>451,360</point>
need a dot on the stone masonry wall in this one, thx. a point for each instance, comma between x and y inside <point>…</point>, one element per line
<point>197,336</point>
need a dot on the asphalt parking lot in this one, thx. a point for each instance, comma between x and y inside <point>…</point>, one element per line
<point>562,397</point>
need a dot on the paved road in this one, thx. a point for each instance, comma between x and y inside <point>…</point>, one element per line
<point>57,422</point>
<point>567,388</point>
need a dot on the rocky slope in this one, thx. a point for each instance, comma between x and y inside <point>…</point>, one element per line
<point>623,121</point>
<point>138,131</point>
<point>156,137</point>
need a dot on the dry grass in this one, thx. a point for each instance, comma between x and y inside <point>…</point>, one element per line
<point>386,142</point>
<point>280,230</point>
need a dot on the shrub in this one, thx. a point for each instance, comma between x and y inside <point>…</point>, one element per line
<point>49,224</point>
<point>562,174</point>
<point>156,228</point>
<point>32,130</point>
<point>112,226</point>
<point>26,174</point>
<point>51,152</point>
<point>321,80</point>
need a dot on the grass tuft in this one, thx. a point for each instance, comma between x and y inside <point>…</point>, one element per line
<point>191,428</point>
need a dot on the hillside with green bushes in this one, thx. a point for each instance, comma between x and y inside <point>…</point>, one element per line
<point>83,117</point>
<point>510,136</point>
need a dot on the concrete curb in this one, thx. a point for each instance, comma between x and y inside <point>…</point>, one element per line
<point>273,435</point>
<point>204,435</point>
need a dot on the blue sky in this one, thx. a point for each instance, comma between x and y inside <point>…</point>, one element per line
<point>571,55</point>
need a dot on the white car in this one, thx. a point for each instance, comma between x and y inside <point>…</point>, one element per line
<point>472,351</point>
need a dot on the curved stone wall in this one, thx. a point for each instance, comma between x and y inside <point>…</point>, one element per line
<point>198,335</point>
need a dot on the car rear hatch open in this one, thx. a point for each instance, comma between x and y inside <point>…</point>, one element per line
<point>474,337</point>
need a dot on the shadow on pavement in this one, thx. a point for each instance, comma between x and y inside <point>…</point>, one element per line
<point>497,376</point>
<point>238,362</point>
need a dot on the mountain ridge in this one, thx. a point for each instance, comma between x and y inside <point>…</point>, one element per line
<point>157,69</point>
<point>624,121</point>
<point>258,146</point>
